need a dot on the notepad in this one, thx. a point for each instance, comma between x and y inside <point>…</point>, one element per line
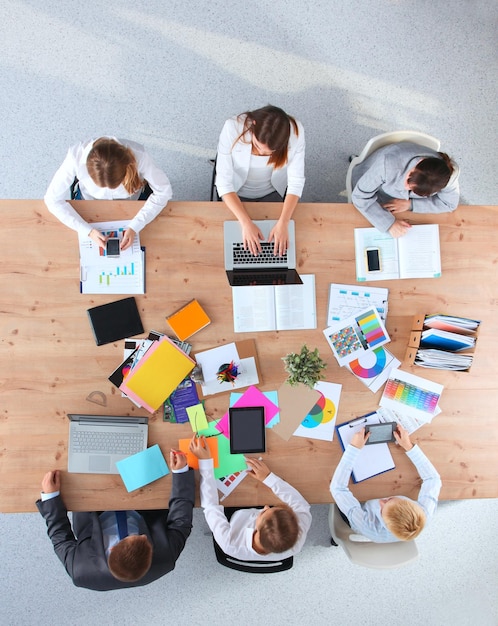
<point>188,320</point>
<point>142,468</point>
<point>157,374</point>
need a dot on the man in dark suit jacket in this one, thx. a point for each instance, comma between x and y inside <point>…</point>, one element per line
<point>150,550</point>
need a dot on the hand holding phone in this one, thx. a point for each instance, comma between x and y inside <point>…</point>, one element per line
<point>380,433</point>
<point>112,247</point>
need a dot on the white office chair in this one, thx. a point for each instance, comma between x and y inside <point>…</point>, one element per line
<point>385,139</point>
<point>361,551</point>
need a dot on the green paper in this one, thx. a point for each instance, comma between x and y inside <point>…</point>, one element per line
<point>227,463</point>
<point>197,417</point>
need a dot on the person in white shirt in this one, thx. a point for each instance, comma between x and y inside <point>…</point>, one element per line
<point>396,518</point>
<point>266,534</point>
<point>261,158</point>
<point>108,169</point>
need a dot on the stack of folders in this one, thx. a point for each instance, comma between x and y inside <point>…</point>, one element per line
<point>444,340</point>
<point>157,374</point>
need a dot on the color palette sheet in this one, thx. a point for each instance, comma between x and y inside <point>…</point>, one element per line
<point>412,395</point>
<point>351,337</point>
<point>372,368</point>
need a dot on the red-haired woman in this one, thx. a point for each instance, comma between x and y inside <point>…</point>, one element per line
<point>261,159</point>
<point>108,169</point>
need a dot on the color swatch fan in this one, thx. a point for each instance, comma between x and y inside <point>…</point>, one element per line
<point>372,368</point>
<point>351,337</point>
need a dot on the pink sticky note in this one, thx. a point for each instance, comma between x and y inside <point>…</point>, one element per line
<point>251,397</point>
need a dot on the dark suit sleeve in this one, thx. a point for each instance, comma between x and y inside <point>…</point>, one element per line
<point>181,504</point>
<point>59,530</point>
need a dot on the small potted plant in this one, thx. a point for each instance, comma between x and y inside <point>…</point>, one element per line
<point>305,367</point>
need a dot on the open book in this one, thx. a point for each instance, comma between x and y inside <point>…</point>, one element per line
<point>275,307</point>
<point>415,255</point>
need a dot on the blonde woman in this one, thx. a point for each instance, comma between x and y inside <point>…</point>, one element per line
<point>108,169</point>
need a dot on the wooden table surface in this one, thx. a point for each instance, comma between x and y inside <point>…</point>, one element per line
<point>50,362</point>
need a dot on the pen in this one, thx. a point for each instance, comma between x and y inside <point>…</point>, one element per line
<point>356,422</point>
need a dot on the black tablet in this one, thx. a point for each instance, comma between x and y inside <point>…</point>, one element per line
<point>247,429</point>
<point>381,433</point>
<point>115,320</point>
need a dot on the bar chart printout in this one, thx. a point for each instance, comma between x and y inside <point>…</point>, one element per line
<point>102,274</point>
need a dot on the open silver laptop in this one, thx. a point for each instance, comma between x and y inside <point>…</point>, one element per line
<point>96,442</point>
<point>243,268</point>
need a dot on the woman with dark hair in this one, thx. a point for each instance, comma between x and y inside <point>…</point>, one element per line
<point>404,177</point>
<point>108,169</point>
<point>261,159</point>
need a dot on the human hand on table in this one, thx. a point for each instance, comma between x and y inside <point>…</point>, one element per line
<point>359,439</point>
<point>198,446</point>
<point>51,482</point>
<point>399,228</point>
<point>97,237</point>
<point>128,237</point>
<point>177,459</point>
<point>257,468</point>
<point>397,205</point>
<point>402,437</point>
<point>279,234</point>
<point>251,236</point>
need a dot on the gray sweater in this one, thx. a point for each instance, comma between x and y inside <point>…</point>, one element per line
<point>381,177</point>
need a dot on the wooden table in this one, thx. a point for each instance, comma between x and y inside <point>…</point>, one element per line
<point>50,362</point>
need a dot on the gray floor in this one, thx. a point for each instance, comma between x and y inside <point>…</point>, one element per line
<point>168,74</point>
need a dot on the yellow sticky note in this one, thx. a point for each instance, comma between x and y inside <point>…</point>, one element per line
<point>197,417</point>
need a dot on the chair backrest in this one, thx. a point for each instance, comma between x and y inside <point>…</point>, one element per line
<point>368,553</point>
<point>214,197</point>
<point>252,567</point>
<point>379,141</point>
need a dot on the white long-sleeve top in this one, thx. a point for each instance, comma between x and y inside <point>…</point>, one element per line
<point>74,165</point>
<point>235,536</point>
<point>366,518</point>
<point>234,157</point>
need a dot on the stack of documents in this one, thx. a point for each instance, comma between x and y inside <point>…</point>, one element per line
<point>437,359</point>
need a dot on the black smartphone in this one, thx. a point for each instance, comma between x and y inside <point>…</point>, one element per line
<point>373,259</point>
<point>112,247</point>
<point>381,433</point>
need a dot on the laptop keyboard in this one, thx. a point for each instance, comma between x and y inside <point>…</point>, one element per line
<point>264,258</point>
<point>107,442</point>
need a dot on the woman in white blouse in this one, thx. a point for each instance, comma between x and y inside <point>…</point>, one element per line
<point>108,169</point>
<point>261,159</point>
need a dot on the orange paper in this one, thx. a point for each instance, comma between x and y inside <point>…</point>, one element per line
<point>192,460</point>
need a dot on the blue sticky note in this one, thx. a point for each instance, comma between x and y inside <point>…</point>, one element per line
<point>142,468</point>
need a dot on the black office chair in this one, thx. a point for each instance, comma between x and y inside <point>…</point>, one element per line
<point>76,195</point>
<point>75,190</point>
<point>214,197</point>
<point>251,567</point>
